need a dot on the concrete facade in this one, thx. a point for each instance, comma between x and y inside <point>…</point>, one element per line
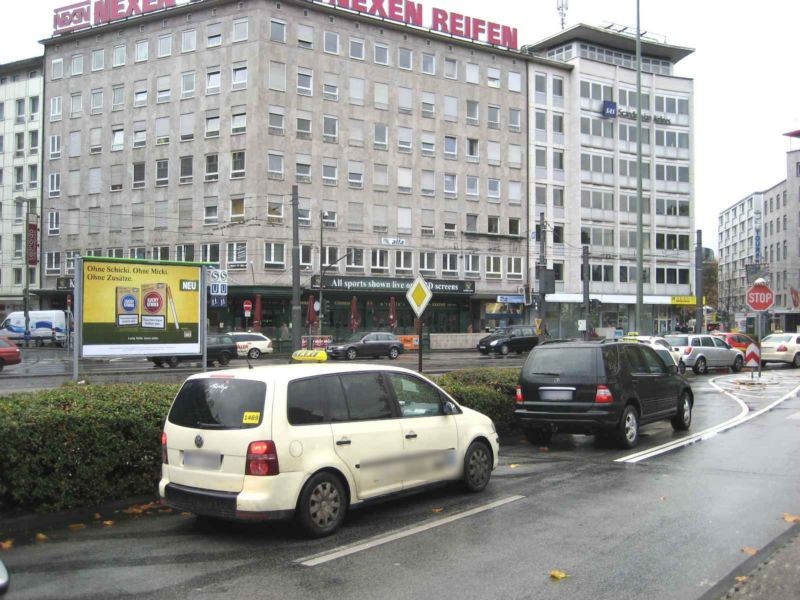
<point>20,153</point>
<point>414,166</point>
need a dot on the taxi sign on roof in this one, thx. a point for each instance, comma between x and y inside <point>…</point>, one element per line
<point>418,295</point>
<point>310,356</point>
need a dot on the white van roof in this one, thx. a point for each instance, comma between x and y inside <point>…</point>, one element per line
<point>271,373</point>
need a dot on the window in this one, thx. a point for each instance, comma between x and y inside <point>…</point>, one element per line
<point>236,255</point>
<point>212,167</point>
<point>76,105</point>
<point>331,42</point>
<point>472,112</point>
<point>493,224</point>
<point>381,54</point>
<point>404,139</point>
<point>450,263</point>
<point>330,171</point>
<point>164,46</point>
<point>380,261</point>
<point>450,146</point>
<point>239,76</point>
<point>405,58</point>
<point>53,263</point>
<point>213,80</point>
<point>53,223</point>
<point>118,56</point>
<point>473,183</point>
<point>514,81</point>
<point>210,253</point>
<point>513,267</point>
<point>451,68</point>
<point>188,40</point>
<point>76,67</point>
<point>277,31</point>
<point>330,87</point>
<point>138,176</point>
<point>117,138</point>
<point>162,172</point>
<point>96,101</point>
<point>427,261</point>
<point>162,130</point>
<point>356,91</point>
<point>212,124</point>
<point>55,108</point>
<point>117,97</point>
<point>450,185</point>
<point>357,48</point>
<point>514,119</point>
<point>140,93</point>
<point>240,29</point>
<point>355,174</point>
<point>428,104</point>
<point>330,129</point>
<point>55,146</point>
<point>238,120</point>
<point>163,91</point>
<point>473,73</point>
<point>54,185</point>
<point>381,136</point>
<point>186,127</point>
<point>57,68</point>
<point>428,64</point>
<point>275,165</point>
<point>493,188</point>
<point>237,164</point>
<point>305,82</point>
<point>275,120</point>
<point>187,169</point>
<point>141,51</point>
<point>494,267</point>
<point>493,77</point>
<point>405,99</point>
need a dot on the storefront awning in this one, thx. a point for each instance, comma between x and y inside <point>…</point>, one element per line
<point>608,298</point>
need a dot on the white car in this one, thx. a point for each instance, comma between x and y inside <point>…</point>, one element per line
<point>251,344</point>
<point>659,343</point>
<point>312,440</point>
<point>781,347</point>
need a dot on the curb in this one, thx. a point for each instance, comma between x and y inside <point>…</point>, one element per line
<point>35,523</point>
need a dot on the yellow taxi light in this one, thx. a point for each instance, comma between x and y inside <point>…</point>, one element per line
<point>310,356</point>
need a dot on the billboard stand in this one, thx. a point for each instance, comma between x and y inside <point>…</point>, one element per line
<point>78,317</point>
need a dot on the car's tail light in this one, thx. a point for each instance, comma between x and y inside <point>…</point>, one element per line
<point>782,348</point>
<point>262,459</point>
<point>164,455</point>
<point>603,395</point>
<point>519,397</point>
<point>687,351</point>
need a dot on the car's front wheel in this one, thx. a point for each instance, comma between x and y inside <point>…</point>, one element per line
<point>683,418</point>
<point>224,359</point>
<point>352,354</point>
<point>394,353</point>
<point>700,366</point>
<point>322,505</point>
<point>254,353</point>
<point>504,349</point>
<point>737,364</point>
<point>681,367</point>
<point>628,427</point>
<point>172,361</point>
<point>158,362</point>
<point>477,466</point>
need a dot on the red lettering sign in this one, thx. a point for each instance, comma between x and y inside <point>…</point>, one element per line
<point>87,13</point>
<point>33,244</point>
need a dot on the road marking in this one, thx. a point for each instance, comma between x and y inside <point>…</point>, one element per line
<point>795,416</point>
<point>318,559</point>
<point>744,416</point>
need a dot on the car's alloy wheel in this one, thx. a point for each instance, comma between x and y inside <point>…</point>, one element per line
<point>504,349</point>
<point>683,418</point>
<point>628,428</point>
<point>477,467</point>
<point>224,359</point>
<point>322,505</point>
<point>700,366</point>
<point>394,353</point>
<point>254,353</point>
<point>737,364</point>
<point>352,353</point>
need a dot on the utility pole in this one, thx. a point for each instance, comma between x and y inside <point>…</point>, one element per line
<point>296,313</point>
<point>698,283</point>
<point>639,207</point>
<point>585,271</point>
<point>542,267</point>
<point>31,252</point>
<point>321,268</point>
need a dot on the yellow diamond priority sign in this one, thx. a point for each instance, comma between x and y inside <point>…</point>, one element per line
<point>418,295</point>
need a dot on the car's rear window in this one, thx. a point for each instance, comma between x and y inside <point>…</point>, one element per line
<point>778,338</point>
<point>562,361</point>
<point>677,340</point>
<point>218,403</point>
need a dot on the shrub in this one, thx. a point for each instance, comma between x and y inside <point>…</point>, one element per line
<point>81,445</point>
<point>502,380</point>
<point>489,391</point>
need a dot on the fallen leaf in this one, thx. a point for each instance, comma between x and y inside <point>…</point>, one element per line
<point>513,466</point>
<point>438,510</point>
<point>7,545</point>
<point>77,526</point>
<point>741,579</point>
<point>558,575</point>
<point>40,537</point>
<point>791,518</point>
<point>749,551</point>
<point>544,449</point>
<point>108,523</point>
<point>166,510</point>
<point>96,516</point>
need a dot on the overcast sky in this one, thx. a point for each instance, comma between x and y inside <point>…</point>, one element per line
<point>745,93</point>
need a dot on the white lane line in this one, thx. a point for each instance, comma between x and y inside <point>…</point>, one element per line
<point>794,416</point>
<point>318,559</point>
<point>744,416</point>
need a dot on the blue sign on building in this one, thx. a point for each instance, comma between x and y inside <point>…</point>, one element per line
<point>609,109</point>
<point>218,301</point>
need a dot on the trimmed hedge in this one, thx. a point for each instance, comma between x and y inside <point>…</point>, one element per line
<point>81,445</point>
<point>489,391</point>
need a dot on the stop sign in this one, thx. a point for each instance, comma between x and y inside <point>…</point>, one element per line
<point>760,298</point>
<point>247,305</point>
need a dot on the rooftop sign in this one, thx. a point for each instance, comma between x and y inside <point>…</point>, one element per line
<point>88,13</point>
<point>440,20</point>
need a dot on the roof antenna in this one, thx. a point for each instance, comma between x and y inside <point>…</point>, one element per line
<point>561,7</point>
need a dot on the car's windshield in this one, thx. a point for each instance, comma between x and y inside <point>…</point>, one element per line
<point>501,331</point>
<point>677,340</point>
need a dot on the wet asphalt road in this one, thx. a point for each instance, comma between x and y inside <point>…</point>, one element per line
<point>668,527</point>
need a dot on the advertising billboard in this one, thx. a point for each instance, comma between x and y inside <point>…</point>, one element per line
<point>140,308</point>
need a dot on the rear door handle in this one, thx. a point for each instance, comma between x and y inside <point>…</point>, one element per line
<point>411,435</point>
<point>343,442</point>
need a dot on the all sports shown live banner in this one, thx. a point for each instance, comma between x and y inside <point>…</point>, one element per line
<point>140,308</point>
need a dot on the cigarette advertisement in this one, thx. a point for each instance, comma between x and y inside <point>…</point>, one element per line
<point>140,308</point>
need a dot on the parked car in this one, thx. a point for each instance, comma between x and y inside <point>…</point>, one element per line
<point>700,352</point>
<point>250,344</point>
<point>657,342</point>
<point>9,353</point>
<point>219,349</point>
<point>608,389</point>
<point>739,341</point>
<point>44,326</point>
<point>367,344</point>
<point>781,347</point>
<point>518,338</point>
<point>233,442</point>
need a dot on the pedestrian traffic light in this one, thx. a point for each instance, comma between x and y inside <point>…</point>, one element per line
<point>326,305</point>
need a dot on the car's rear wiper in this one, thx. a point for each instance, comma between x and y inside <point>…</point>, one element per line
<point>543,373</point>
<point>213,425</point>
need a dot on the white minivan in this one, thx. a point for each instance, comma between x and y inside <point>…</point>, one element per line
<point>44,326</point>
<point>312,440</point>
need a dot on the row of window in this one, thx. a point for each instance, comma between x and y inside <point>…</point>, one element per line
<point>604,236</point>
<point>306,39</point>
<point>30,104</point>
<point>358,260</point>
<point>599,127</point>
<point>667,104</point>
<point>19,178</point>
<point>604,200</point>
<point>601,163</point>
<point>627,274</point>
<point>17,276</point>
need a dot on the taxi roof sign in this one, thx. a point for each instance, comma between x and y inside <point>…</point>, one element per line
<point>309,356</point>
<point>419,295</point>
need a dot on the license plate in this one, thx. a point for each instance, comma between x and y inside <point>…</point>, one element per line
<point>555,395</point>
<point>202,460</point>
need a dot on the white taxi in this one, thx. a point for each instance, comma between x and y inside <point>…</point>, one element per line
<point>250,344</point>
<point>312,440</point>
<point>781,347</point>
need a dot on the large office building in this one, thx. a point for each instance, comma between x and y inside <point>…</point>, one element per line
<point>583,168</point>
<point>179,135</point>
<point>20,143</point>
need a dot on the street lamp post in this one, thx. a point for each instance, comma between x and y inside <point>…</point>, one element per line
<point>322,214</point>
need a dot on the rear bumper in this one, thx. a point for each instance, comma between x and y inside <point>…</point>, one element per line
<point>597,418</point>
<point>786,357</point>
<point>216,504</point>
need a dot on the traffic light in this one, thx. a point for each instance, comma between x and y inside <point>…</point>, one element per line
<point>326,305</point>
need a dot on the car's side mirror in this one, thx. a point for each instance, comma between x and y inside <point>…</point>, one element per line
<point>449,408</point>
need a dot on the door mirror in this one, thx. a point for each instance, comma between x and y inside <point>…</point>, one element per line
<point>449,408</point>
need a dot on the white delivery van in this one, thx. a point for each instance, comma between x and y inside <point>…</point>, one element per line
<point>44,326</point>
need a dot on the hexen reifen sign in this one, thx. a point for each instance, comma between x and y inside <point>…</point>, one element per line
<point>140,308</point>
